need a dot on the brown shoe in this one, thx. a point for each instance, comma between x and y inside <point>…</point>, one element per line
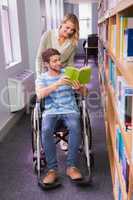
<point>51,177</point>
<point>74,173</point>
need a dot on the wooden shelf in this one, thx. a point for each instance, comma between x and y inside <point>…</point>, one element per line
<point>132,175</point>
<point>125,68</point>
<point>122,5</point>
<point>126,136</point>
<point>118,165</point>
<point>110,27</point>
<point>111,160</point>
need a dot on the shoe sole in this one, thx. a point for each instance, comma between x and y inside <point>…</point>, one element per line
<point>50,186</point>
<point>75,180</point>
<point>83,182</point>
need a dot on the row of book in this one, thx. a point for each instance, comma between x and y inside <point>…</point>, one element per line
<point>124,101</point>
<point>122,157</point>
<point>126,37</point>
<point>123,92</point>
<point>123,95</point>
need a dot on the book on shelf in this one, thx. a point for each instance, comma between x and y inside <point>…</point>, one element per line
<point>124,96</point>
<point>83,74</point>
<point>128,44</point>
<point>117,186</point>
<point>112,73</point>
<point>113,37</point>
<point>125,23</point>
<point>121,150</point>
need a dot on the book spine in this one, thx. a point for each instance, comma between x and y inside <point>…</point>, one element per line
<point>128,41</point>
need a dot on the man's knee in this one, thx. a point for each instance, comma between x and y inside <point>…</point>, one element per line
<point>46,130</point>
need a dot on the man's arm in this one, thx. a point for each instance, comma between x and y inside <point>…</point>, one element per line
<point>43,91</point>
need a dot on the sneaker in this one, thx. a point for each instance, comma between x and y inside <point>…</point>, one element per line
<point>74,173</point>
<point>63,145</point>
<point>51,177</point>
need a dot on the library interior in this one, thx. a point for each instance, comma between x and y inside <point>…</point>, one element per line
<point>94,39</point>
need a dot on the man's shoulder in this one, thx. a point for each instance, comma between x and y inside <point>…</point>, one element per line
<point>42,76</point>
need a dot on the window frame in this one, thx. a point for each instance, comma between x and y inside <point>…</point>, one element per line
<point>12,41</point>
<point>86,18</point>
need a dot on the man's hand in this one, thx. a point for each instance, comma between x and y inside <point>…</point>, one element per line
<point>76,85</point>
<point>64,80</point>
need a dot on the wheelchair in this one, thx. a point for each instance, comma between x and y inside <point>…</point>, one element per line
<point>39,161</point>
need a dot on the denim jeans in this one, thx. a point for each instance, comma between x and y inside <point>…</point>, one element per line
<point>72,122</point>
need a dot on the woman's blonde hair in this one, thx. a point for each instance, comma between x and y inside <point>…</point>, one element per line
<point>72,18</point>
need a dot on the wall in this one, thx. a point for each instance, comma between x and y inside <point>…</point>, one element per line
<point>7,119</point>
<point>94,17</point>
<point>68,8</point>
<point>34,29</point>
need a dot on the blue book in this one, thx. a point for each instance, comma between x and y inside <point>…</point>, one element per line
<point>112,73</point>
<point>125,103</point>
<point>121,149</point>
<point>128,43</point>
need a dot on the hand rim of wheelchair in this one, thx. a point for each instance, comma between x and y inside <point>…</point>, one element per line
<point>42,165</point>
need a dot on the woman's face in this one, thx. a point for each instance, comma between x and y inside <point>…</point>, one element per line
<point>67,29</point>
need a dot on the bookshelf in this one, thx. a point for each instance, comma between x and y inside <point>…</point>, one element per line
<point>115,58</point>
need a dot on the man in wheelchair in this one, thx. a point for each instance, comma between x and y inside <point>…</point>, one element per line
<point>60,104</point>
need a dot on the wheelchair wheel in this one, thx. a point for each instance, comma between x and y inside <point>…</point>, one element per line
<point>34,129</point>
<point>87,143</point>
<point>88,129</point>
<point>42,165</point>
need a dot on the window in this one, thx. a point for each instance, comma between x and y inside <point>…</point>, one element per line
<point>48,7</point>
<point>54,14</point>
<point>85,19</point>
<point>10,31</point>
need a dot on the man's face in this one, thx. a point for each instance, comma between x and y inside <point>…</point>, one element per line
<point>55,63</point>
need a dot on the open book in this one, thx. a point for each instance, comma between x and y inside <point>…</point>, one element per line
<point>83,75</point>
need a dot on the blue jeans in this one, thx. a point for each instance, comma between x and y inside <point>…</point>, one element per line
<point>72,122</point>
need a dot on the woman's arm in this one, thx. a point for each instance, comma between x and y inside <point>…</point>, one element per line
<point>70,61</point>
<point>68,56</point>
<point>42,47</point>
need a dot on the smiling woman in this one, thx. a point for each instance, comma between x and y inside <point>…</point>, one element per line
<point>64,39</point>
